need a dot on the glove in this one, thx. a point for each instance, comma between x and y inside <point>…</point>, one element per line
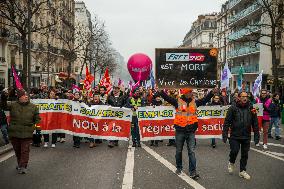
<point>224,138</point>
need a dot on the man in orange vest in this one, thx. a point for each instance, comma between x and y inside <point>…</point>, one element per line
<point>186,124</point>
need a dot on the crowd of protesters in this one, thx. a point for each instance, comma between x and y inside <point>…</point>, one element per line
<point>120,97</point>
<point>139,97</point>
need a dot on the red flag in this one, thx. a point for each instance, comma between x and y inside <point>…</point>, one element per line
<point>88,80</point>
<point>105,81</point>
<point>90,93</point>
<point>17,80</point>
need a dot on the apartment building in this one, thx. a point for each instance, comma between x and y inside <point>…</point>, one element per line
<point>201,33</point>
<point>238,23</point>
<point>83,32</point>
<point>4,34</point>
<point>48,51</point>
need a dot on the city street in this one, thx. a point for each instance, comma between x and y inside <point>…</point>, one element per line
<point>102,167</point>
<point>122,70</point>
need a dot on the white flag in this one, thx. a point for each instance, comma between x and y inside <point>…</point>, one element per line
<point>257,84</point>
<point>225,76</point>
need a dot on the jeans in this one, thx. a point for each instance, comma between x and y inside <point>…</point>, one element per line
<point>4,130</point>
<point>135,130</point>
<point>274,121</point>
<point>53,138</point>
<point>181,137</point>
<point>235,145</point>
<point>172,141</point>
<point>37,138</point>
<point>213,141</point>
<point>77,140</point>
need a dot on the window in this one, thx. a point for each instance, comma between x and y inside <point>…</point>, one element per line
<point>278,36</point>
<point>280,8</point>
<point>211,37</point>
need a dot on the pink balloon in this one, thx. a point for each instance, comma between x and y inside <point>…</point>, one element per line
<point>139,66</point>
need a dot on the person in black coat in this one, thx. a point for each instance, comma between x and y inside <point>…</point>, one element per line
<point>216,101</point>
<point>240,118</point>
<point>4,126</point>
<point>94,100</point>
<point>77,139</point>
<point>157,101</point>
<point>275,115</point>
<point>116,99</point>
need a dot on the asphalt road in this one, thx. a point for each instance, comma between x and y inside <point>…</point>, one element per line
<point>104,168</point>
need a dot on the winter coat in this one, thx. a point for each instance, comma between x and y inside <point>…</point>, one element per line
<point>224,100</point>
<point>266,107</point>
<point>214,104</point>
<point>240,119</point>
<point>3,118</point>
<point>119,101</point>
<point>23,117</point>
<point>103,98</point>
<point>275,108</point>
<point>157,103</point>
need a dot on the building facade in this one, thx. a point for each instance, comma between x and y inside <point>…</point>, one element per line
<point>4,36</point>
<point>84,40</point>
<point>201,34</point>
<point>48,50</point>
<point>240,27</point>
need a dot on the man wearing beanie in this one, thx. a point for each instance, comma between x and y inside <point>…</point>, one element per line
<point>240,119</point>
<point>186,124</point>
<point>23,117</point>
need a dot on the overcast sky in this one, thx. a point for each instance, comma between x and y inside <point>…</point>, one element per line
<point>143,25</point>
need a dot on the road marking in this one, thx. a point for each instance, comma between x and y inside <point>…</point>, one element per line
<point>170,166</point>
<point>268,154</point>
<point>6,156</point>
<point>129,167</point>
<point>276,153</point>
<point>272,144</point>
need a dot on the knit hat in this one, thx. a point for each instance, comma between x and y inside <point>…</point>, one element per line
<point>185,90</point>
<point>21,93</point>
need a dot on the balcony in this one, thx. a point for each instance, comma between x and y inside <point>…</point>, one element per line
<point>232,3</point>
<point>4,32</point>
<point>14,39</point>
<point>243,32</point>
<point>243,51</point>
<point>254,68</point>
<point>243,13</point>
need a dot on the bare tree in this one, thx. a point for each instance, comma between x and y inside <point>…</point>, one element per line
<point>76,45</point>
<point>97,51</point>
<point>271,26</point>
<point>19,15</point>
